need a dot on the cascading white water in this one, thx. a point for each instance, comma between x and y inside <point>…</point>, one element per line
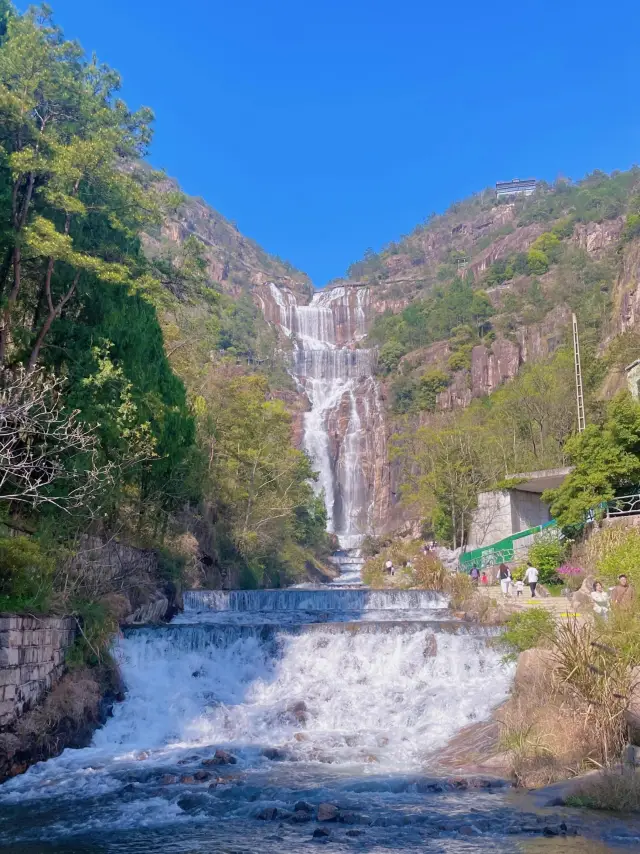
<point>308,710</point>
<point>335,377</point>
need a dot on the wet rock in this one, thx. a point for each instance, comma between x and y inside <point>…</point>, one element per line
<point>188,760</point>
<point>299,711</point>
<point>169,779</point>
<point>469,830</point>
<point>321,833</point>
<point>371,758</point>
<point>355,832</point>
<point>214,785</point>
<point>430,647</point>
<point>301,816</point>
<point>275,754</point>
<point>187,778</point>
<point>128,789</point>
<point>302,806</point>
<point>460,783</point>
<point>220,757</point>
<point>550,831</point>
<point>556,802</point>
<point>301,736</point>
<point>192,803</point>
<point>268,814</point>
<point>348,817</point>
<point>142,756</point>
<point>327,812</point>
<point>202,776</point>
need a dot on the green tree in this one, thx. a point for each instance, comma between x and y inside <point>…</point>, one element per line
<point>66,144</point>
<point>606,463</point>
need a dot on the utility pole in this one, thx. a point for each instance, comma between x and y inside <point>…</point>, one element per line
<point>576,360</point>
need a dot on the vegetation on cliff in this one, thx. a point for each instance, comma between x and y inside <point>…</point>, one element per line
<point>476,292</point>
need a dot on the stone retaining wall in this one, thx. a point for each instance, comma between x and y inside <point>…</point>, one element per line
<point>32,651</point>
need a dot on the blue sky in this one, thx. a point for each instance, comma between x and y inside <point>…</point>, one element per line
<point>323,127</point>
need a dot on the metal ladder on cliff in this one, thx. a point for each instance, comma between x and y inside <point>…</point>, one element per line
<point>576,360</point>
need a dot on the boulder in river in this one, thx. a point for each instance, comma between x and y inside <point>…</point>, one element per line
<point>328,812</point>
<point>268,814</point>
<point>301,816</point>
<point>302,805</point>
<point>169,779</point>
<point>321,833</point>
<point>275,754</point>
<point>202,776</point>
<point>430,647</point>
<point>298,711</point>
<point>220,757</point>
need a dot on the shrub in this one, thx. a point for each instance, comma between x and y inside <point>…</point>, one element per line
<point>97,625</point>
<point>526,630</point>
<point>620,553</point>
<point>598,679</point>
<point>26,576</point>
<point>547,554</point>
<point>571,576</point>
<point>617,792</point>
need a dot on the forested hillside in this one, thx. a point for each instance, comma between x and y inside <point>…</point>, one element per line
<point>473,324</point>
<point>139,382</point>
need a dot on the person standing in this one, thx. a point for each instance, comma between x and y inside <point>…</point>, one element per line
<point>623,594</point>
<point>474,575</point>
<point>484,579</point>
<point>531,578</point>
<point>600,599</point>
<point>504,574</point>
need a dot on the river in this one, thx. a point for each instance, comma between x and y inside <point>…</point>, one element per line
<point>339,696</point>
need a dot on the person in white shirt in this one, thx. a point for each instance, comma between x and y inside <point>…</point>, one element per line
<point>531,578</point>
<point>601,600</point>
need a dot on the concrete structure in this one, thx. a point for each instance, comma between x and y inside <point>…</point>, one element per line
<point>32,651</point>
<point>517,187</point>
<point>502,513</point>
<point>633,378</point>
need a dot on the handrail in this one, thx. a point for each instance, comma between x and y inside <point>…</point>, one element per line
<point>504,550</point>
<point>624,505</point>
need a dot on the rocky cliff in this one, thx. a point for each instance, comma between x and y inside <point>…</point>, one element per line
<point>235,262</point>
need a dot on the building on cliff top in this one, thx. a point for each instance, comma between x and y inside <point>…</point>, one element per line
<point>524,187</point>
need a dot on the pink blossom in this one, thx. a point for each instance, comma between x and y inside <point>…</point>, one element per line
<point>567,569</point>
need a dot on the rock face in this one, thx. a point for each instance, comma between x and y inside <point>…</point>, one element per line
<point>495,365</point>
<point>627,291</point>
<point>234,261</point>
<point>534,665</point>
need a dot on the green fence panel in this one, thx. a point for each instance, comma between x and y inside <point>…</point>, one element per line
<point>501,552</point>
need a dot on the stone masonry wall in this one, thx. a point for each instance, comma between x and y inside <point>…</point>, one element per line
<point>32,653</point>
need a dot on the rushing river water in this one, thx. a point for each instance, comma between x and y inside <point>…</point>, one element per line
<point>338,696</point>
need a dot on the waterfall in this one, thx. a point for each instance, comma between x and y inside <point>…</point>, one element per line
<point>338,378</point>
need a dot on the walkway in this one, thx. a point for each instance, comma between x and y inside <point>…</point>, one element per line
<point>559,606</point>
